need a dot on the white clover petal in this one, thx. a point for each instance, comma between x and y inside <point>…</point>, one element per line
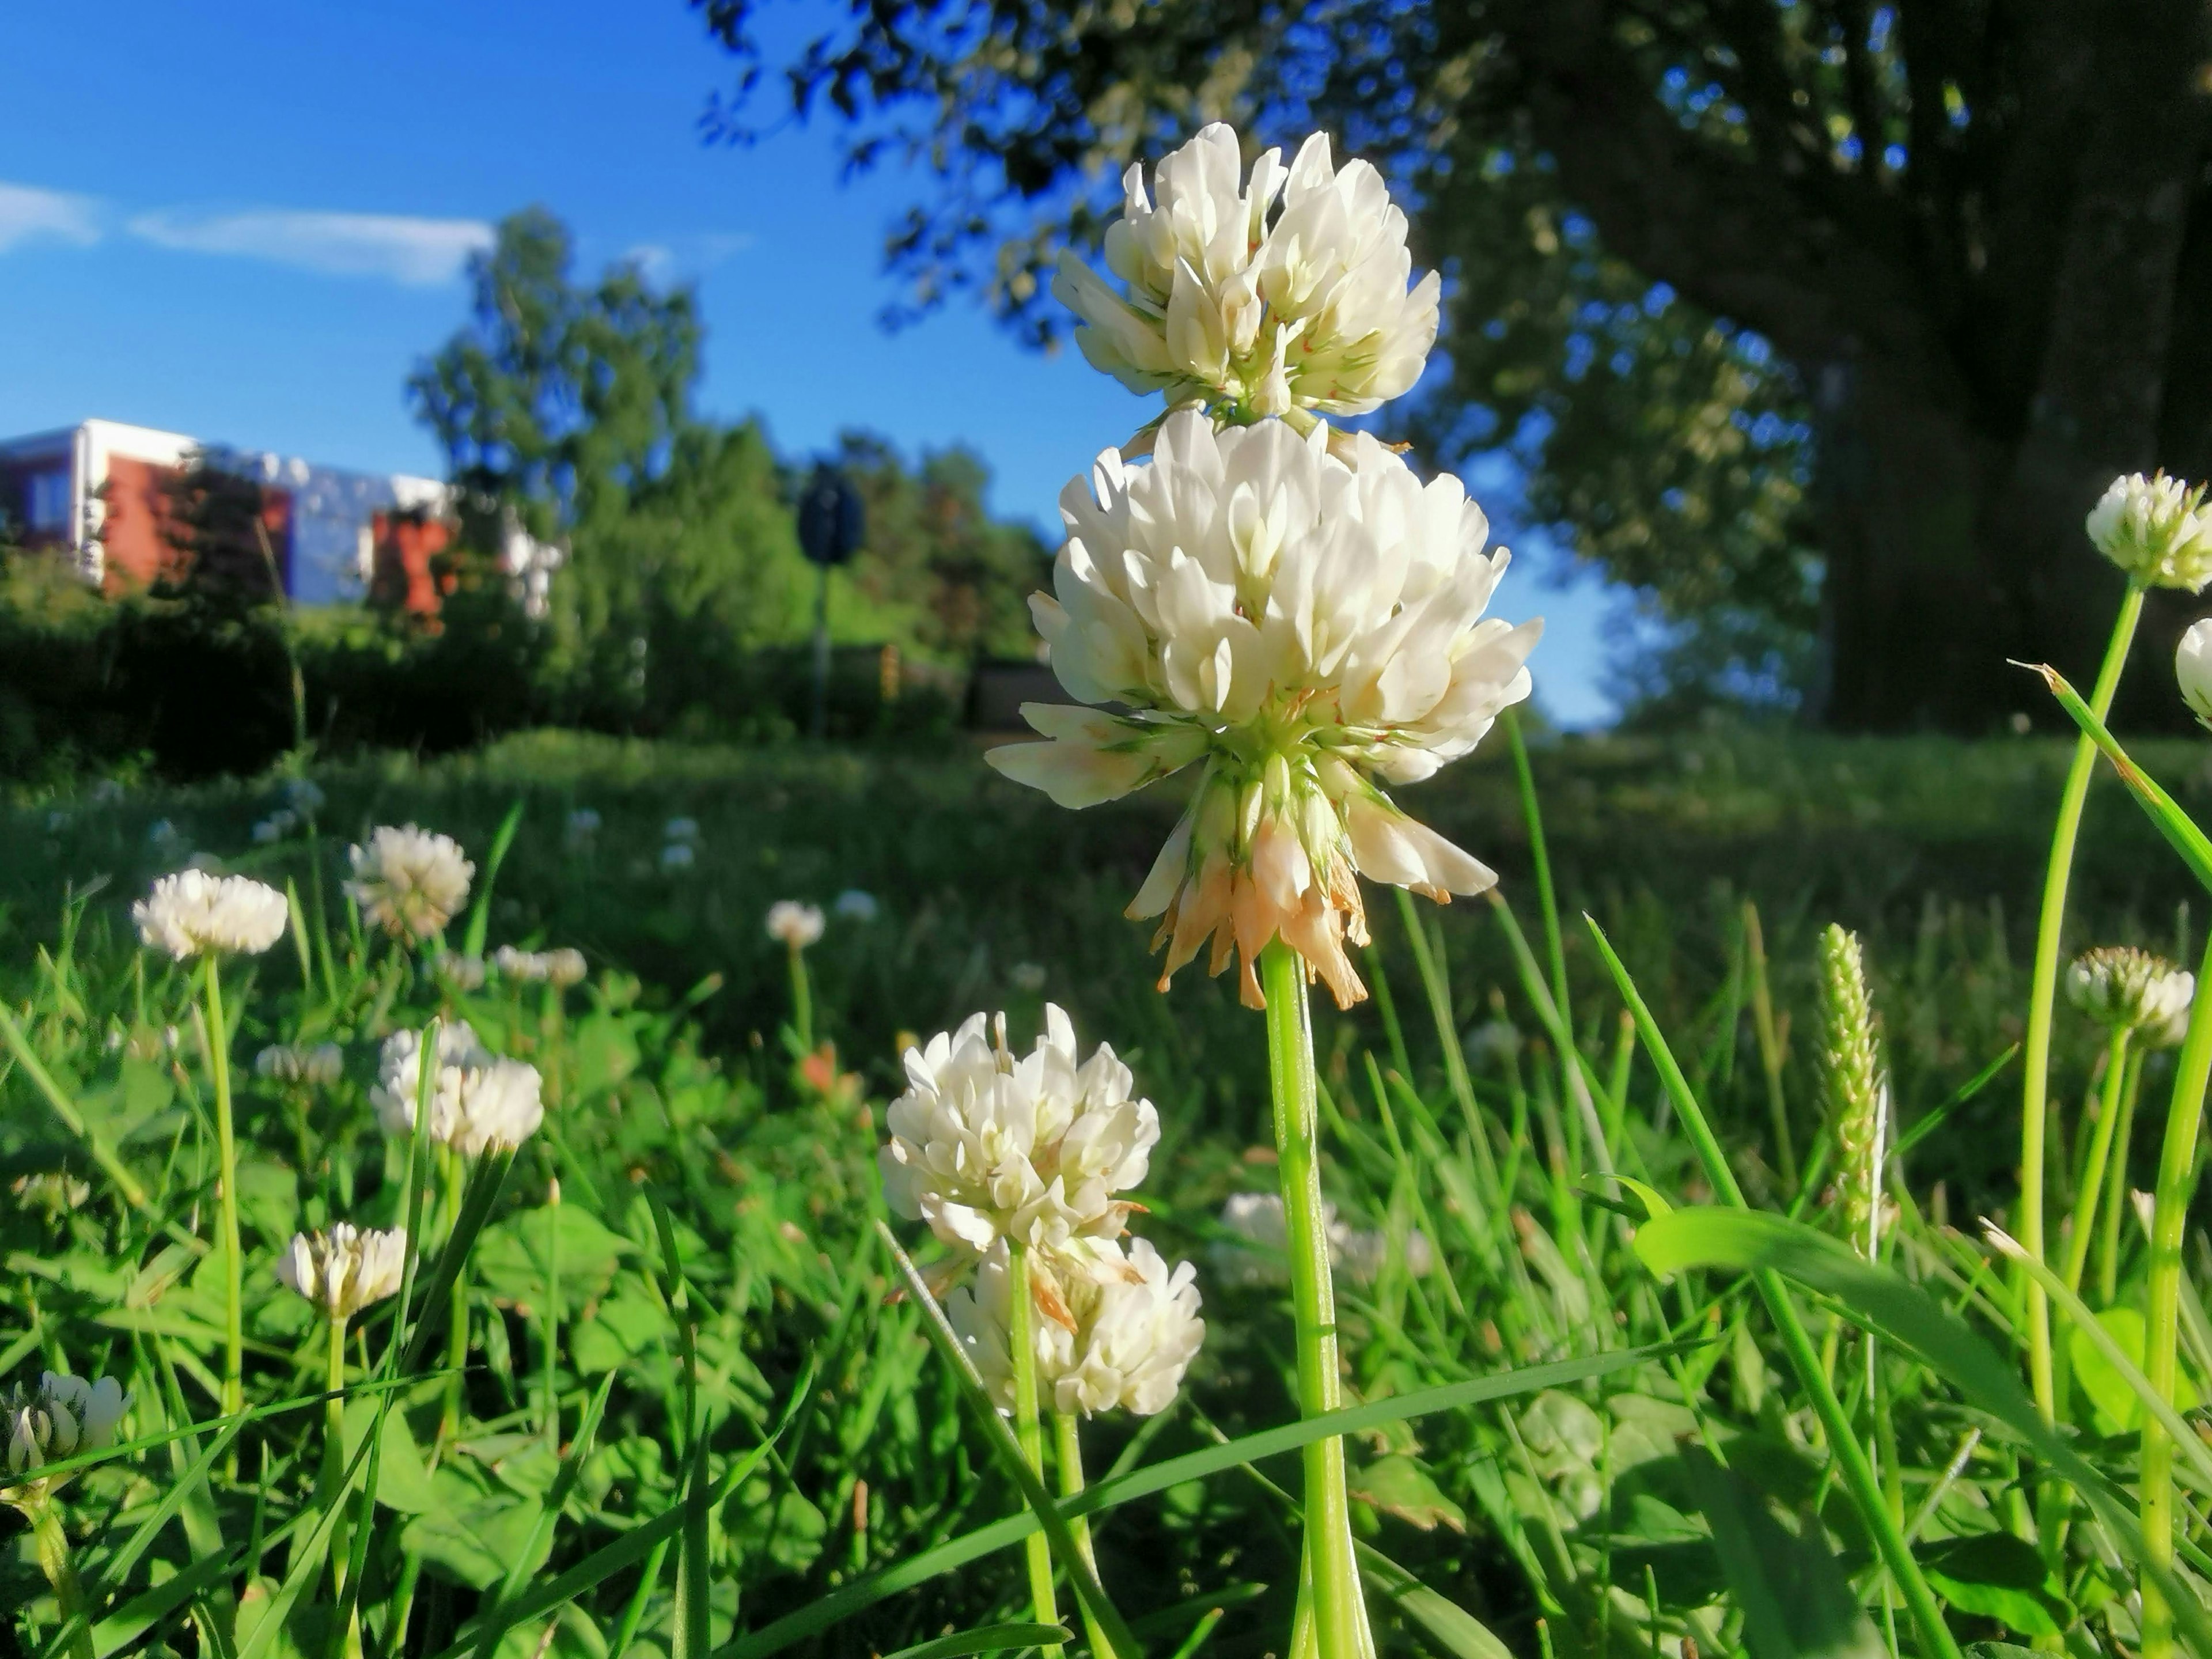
<point>409,882</point>
<point>193,912</point>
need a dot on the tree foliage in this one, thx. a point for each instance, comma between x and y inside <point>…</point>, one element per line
<point>1830,313</point>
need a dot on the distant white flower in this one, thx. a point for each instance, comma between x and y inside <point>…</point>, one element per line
<point>2120,986</point>
<point>1497,1040</point>
<point>790,922</point>
<point>2192,668</point>
<point>1028,976</point>
<point>63,1416</point>
<point>108,792</point>
<point>2156,529</point>
<point>57,821</point>
<point>1363,1255</point>
<point>408,881</point>
<point>275,828</point>
<point>984,1145</point>
<point>561,967</point>
<point>345,1269</point>
<point>678,855</point>
<point>162,833</point>
<point>1251,311</point>
<point>193,912</point>
<point>679,830</point>
<point>855,905</point>
<point>318,1067</point>
<point>463,973</point>
<point>1311,629</point>
<point>1136,1330</point>
<point>479,1102</point>
<point>55,1191</point>
<point>301,795</point>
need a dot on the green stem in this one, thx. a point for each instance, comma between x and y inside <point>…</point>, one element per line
<point>331,1488</point>
<point>1067,1457</point>
<point>2115,1192</point>
<point>2177,1180</point>
<point>1769,1047</point>
<point>2043,992</point>
<point>802,1000</point>
<point>1021,1347</point>
<point>1340,1614</point>
<point>2100,1154</point>
<point>234,1261</point>
<point>552,1313</point>
<point>54,1559</point>
<point>457,1323</point>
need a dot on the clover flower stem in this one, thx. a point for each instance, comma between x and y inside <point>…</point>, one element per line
<point>2043,993</point>
<point>802,1000</point>
<point>2177,1181</point>
<point>552,1312</point>
<point>1021,1345</point>
<point>2116,1190</point>
<point>1067,1459</point>
<point>234,1262</point>
<point>54,1560</point>
<point>1340,1614</point>
<point>331,1484</point>
<point>455,1173</point>
<point>2100,1153</point>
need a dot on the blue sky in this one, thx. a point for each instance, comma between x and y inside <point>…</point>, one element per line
<point>249,224</point>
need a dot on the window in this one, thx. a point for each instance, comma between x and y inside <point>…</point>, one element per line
<point>46,501</point>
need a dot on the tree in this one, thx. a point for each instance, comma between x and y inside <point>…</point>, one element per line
<point>1801,309</point>
<point>565,410</point>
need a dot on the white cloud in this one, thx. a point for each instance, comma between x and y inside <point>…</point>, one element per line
<point>28,214</point>
<point>420,253</point>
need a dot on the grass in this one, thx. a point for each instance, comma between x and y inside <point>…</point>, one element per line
<point>775,1452</point>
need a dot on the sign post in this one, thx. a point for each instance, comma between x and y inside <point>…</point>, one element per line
<point>832,525</point>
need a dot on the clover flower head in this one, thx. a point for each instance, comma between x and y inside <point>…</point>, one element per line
<point>193,912</point>
<point>344,1270</point>
<point>579,828</point>
<point>560,968</point>
<point>2123,989</point>
<point>678,855</point>
<point>2156,529</point>
<point>301,795</point>
<point>479,1102</point>
<point>316,1067</point>
<point>461,971</point>
<point>1115,1330</point>
<point>63,1416</point>
<point>1311,628</point>
<point>681,829</point>
<point>1286,292</point>
<point>274,828</point>
<point>2192,670</point>
<point>1363,1252</point>
<point>409,881</point>
<point>793,923</point>
<point>984,1145</point>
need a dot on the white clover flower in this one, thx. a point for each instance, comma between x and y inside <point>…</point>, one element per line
<point>478,1101</point>
<point>685,830</point>
<point>345,1269</point>
<point>316,1067</point>
<point>408,881</point>
<point>580,828</point>
<point>984,1145</point>
<point>560,968</point>
<point>1028,976</point>
<point>301,795</point>
<point>193,912</point>
<point>1251,311</point>
<point>2157,529</point>
<point>1309,628</point>
<point>2122,988</point>
<point>463,973</point>
<point>1363,1255</point>
<point>855,905</point>
<point>790,922</point>
<point>2192,669</point>
<point>108,792</point>
<point>63,1416</point>
<point>1135,1330</point>
<point>275,828</point>
<point>678,855</point>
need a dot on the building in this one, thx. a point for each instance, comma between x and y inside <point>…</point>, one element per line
<point>99,492</point>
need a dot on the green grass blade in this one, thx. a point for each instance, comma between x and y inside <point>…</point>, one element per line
<point>1452,1627</point>
<point>863,1593</point>
<point>1879,1299</point>
<point>480,912</point>
<point>496,1622</point>
<point>992,1639</point>
<point>2179,830</point>
<point>128,1624</point>
<point>65,1109</point>
<point>1080,1575</point>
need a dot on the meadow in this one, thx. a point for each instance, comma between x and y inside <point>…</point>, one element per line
<point>694,1407</point>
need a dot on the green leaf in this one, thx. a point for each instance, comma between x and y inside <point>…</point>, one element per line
<point>1795,1602</point>
<point>2119,1409</point>
<point>787,1526</point>
<point>1456,1630</point>
<point>2179,830</point>
<point>403,1483</point>
<point>510,1262</point>
<point>1399,1486</point>
<point>475,1532</point>
<point>2002,1578</point>
<point>480,913</point>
